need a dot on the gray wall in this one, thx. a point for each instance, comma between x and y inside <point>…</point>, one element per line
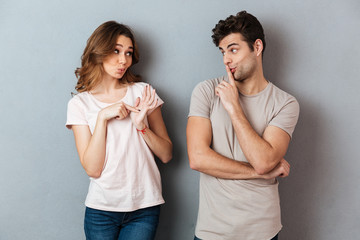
<point>313,52</point>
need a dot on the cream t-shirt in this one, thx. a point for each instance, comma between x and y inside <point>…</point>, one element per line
<point>130,179</point>
<point>240,209</point>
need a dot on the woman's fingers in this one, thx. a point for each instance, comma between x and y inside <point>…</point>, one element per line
<point>148,97</point>
<point>154,104</point>
<point>131,108</point>
<point>152,97</point>
<point>146,94</point>
<point>137,102</point>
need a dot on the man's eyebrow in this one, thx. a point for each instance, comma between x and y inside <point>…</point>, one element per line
<point>230,45</point>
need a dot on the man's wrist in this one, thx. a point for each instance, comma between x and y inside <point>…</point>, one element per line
<point>237,114</point>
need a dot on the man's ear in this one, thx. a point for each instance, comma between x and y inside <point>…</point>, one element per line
<point>258,47</point>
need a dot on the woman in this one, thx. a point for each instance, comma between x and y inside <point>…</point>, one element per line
<point>118,126</point>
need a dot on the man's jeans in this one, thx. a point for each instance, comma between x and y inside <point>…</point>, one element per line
<point>105,225</point>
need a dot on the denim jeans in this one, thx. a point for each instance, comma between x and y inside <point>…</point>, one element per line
<point>137,225</point>
<point>274,238</point>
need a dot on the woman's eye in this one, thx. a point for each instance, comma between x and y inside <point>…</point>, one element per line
<point>129,53</point>
<point>116,51</point>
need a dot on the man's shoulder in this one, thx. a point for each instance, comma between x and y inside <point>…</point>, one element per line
<point>210,84</point>
<point>280,94</point>
<point>285,102</point>
<point>203,97</point>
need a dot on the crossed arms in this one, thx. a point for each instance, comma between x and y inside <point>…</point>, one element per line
<point>264,153</point>
<point>204,159</point>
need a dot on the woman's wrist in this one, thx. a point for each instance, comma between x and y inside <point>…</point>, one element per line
<point>140,125</point>
<point>142,130</point>
<point>102,117</point>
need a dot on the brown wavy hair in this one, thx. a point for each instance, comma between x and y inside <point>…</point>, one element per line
<point>100,45</point>
<point>245,24</point>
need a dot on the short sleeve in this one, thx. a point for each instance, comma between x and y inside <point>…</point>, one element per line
<point>201,100</point>
<point>287,117</point>
<point>159,103</point>
<point>75,113</point>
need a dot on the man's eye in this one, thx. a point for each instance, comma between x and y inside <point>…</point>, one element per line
<point>234,50</point>
<point>223,53</point>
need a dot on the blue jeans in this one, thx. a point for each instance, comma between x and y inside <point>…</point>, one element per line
<point>274,238</point>
<point>137,225</point>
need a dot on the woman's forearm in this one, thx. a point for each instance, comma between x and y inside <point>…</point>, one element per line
<point>161,147</point>
<point>94,156</point>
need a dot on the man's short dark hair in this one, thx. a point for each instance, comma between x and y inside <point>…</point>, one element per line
<point>245,24</point>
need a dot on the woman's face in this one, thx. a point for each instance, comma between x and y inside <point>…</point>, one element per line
<point>116,64</point>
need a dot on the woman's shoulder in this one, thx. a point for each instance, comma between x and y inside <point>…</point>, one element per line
<point>138,86</point>
<point>78,98</point>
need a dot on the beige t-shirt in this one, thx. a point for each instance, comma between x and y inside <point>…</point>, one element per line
<point>130,179</point>
<point>240,209</point>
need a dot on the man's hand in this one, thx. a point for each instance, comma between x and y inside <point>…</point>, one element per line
<point>281,170</point>
<point>228,93</point>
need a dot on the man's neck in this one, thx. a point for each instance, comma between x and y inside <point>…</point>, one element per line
<point>253,85</point>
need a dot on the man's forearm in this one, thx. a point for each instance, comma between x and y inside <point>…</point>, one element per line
<point>259,152</point>
<point>212,163</point>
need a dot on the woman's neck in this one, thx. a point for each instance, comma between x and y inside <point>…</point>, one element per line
<point>110,91</point>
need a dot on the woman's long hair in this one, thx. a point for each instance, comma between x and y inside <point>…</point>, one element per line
<point>101,44</point>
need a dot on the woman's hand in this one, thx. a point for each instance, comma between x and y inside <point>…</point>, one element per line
<point>146,103</point>
<point>118,111</point>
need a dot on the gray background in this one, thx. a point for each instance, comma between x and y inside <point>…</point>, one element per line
<point>312,52</point>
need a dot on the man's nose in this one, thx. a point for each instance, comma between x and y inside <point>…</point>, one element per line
<point>227,59</point>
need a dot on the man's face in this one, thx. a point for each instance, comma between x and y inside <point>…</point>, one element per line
<point>238,56</point>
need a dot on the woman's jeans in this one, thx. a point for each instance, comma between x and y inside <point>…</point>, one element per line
<point>274,238</point>
<point>137,225</point>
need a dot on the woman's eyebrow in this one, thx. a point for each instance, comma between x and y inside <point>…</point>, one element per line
<point>131,47</point>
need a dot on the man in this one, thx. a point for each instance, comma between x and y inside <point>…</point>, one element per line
<point>238,131</point>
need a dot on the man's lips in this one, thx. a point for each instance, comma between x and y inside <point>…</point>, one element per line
<point>232,70</point>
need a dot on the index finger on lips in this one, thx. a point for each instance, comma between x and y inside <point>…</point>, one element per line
<point>230,75</point>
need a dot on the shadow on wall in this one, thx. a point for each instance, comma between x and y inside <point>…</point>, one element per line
<point>298,191</point>
<point>173,115</point>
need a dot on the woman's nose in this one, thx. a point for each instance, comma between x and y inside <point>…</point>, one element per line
<point>122,58</point>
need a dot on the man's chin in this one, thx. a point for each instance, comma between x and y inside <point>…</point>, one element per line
<point>239,79</point>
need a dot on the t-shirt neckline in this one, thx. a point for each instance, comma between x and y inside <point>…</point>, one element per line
<point>105,103</point>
